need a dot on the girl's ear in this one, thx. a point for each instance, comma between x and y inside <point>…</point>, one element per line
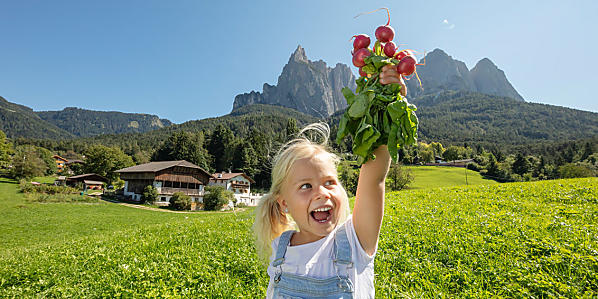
<point>282,203</point>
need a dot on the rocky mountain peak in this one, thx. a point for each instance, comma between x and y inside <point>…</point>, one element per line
<point>298,55</point>
<point>441,72</point>
<point>489,79</point>
<point>308,86</point>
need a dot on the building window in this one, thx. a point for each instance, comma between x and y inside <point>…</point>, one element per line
<point>163,198</point>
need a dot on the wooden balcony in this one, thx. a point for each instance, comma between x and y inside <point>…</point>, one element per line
<point>170,191</point>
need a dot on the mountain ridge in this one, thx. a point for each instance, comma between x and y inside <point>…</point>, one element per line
<point>310,87</point>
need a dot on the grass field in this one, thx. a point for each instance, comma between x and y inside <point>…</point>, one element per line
<point>508,240</point>
<point>444,176</point>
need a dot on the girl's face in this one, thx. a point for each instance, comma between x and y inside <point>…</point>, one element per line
<point>313,196</point>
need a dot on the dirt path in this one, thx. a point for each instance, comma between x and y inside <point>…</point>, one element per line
<point>163,210</point>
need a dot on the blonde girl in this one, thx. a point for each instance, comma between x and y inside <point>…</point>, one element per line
<point>316,248</point>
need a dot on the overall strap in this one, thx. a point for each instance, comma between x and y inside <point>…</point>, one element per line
<point>342,248</point>
<point>283,242</point>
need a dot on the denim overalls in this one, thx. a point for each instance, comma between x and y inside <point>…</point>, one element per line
<point>288,285</point>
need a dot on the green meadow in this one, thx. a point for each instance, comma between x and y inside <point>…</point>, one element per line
<point>444,176</point>
<point>537,239</point>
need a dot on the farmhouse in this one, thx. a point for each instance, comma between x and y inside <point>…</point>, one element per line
<point>90,181</point>
<point>60,162</point>
<point>237,182</point>
<point>167,177</point>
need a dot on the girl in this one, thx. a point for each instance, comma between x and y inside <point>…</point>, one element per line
<point>332,253</point>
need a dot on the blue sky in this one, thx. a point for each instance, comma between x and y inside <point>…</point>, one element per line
<point>186,60</point>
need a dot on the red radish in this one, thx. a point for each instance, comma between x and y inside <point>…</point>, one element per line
<point>403,54</point>
<point>361,41</point>
<point>406,66</point>
<point>389,49</point>
<point>362,73</point>
<point>385,33</point>
<point>359,56</point>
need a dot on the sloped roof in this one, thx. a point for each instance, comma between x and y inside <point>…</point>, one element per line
<point>229,175</point>
<point>157,166</point>
<point>87,175</point>
<point>60,158</point>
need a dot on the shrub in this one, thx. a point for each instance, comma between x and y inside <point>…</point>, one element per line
<point>150,194</point>
<point>27,187</point>
<point>216,197</point>
<point>180,201</point>
<point>572,170</point>
<point>56,198</point>
<point>398,177</point>
<point>241,205</point>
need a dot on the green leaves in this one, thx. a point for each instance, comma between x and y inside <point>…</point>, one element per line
<point>348,94</point>
<point>378,114</point>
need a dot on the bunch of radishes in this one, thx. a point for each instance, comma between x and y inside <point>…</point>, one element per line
<point>384,46</point>
<point>378,114</point>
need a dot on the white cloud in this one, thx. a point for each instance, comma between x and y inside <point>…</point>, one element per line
<point>447,24</point>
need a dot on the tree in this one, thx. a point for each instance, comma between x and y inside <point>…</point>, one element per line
<point>245,158</point>
<point>425,152</point>
<point>291,128</point>
<point>571,170</point>
<point>438,148</point>
<point>221,148</point>
<point>348,177</point>
<point>105,160</point>
<point>26,163</point>
<point>48,159</point>
<point>183,145</point>
<point>180,201</point>
<point>5,150</point>
<point>150,194</point>
<point>398,177</point>
<point>216,197</point>
<point>454,152</point>
<point>521,165</point>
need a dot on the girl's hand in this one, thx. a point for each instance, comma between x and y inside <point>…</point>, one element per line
<point>389,75</point>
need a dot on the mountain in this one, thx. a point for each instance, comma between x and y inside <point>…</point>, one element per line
<point>267,119</point>
<point>82,122</point>
<point>441,73</point>
<point>462,116</point>
<point>458,117</point>
<point>21,121</point>
<point>307,86</point>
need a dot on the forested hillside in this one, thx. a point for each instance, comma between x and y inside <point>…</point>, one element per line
<point>457,117</point>
<point>84,123</point>
<point>18,120</point>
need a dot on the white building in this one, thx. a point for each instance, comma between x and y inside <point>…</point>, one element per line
<point>239,183</point>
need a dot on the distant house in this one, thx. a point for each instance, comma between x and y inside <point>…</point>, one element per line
<point>90,181</point>
<point>167,177</point>
<point>60,162</point>
<point>237,182</point>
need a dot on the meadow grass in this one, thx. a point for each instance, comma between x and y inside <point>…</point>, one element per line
<point>444,176</point>
<point>509,240</point>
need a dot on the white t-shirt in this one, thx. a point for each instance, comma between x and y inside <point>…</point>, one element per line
<point>315,260</point>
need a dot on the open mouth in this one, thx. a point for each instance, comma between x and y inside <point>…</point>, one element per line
<point>322,215</point>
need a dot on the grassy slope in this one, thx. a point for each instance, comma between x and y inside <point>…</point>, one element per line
<point>513,240</point>
<point>440,176</point>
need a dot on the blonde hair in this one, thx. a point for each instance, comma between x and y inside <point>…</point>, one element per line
<point>270,220</point>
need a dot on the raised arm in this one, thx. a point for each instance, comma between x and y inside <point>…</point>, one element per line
<point>369,200</point>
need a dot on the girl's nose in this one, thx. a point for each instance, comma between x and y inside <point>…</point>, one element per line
<point>323,193</point>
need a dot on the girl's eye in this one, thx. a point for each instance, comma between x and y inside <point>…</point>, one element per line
<point>329,182</point>
<point>305,186</point>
